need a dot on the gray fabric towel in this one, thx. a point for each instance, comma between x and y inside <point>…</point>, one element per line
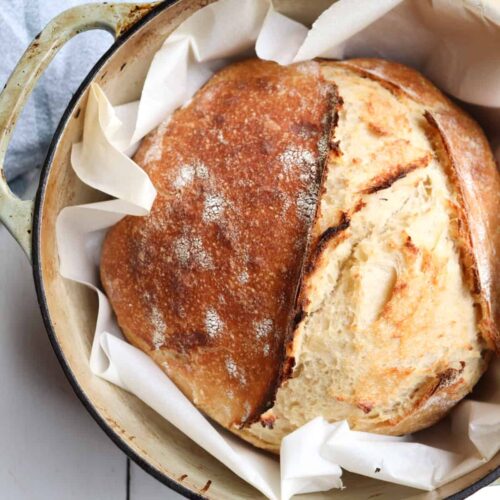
<point>20,21</point>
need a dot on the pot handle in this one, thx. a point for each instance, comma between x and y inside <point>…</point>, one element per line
<point>16,214</point>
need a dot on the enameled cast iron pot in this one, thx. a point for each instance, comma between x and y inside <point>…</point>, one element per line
<point>69,309</point>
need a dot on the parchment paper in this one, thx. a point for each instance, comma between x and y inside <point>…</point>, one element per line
<point>455,43</point>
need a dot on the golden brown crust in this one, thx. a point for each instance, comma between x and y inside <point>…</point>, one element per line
<point>399,77</point>
<point>206,282</point>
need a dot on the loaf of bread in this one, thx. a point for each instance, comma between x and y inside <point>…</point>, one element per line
<point>323,243</point>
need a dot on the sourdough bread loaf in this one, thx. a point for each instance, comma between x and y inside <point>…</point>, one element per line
<point>323,244</point>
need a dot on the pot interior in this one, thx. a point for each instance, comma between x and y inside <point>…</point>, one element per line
<point>70,309</point>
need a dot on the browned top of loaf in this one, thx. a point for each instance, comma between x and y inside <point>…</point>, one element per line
<point>205,283</point>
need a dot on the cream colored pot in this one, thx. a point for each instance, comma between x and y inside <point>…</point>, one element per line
<point>69,310</point>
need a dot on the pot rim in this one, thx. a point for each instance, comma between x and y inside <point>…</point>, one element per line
<point>42,300</point>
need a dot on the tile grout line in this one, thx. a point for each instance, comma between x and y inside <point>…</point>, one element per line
<point>127,479</point>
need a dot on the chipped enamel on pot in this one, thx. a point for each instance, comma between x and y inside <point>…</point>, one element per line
<point>69,309</point>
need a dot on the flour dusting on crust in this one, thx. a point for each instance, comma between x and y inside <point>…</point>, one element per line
<point>213,323</point>
<point>214,207</point>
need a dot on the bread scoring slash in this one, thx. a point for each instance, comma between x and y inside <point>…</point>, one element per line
<point>323,243</point>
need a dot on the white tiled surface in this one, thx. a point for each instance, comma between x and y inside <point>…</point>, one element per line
<point>146,487</point>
